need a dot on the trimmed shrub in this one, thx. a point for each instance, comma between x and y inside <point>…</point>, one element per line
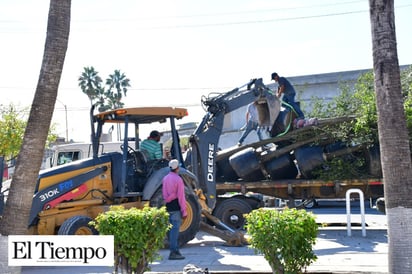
<point>285,238</point>
<point>138,235</point>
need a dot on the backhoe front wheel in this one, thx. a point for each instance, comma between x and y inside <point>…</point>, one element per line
<point>77,225</point>
<point>232,212</point>
<point>190,225</point>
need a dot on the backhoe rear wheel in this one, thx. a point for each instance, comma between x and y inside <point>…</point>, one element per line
<point>191,224</point>
<point>77,225</point>
<point>231,212</point>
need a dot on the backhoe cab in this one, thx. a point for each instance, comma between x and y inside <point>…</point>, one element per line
<point>67,197</point>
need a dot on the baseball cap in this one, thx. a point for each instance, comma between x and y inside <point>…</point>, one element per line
<point>273,75</point>
<point>173,164</point>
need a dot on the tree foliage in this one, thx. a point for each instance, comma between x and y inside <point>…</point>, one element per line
<point>91,84</point>
<point>117,85</point>
<point>13,122</point>
<point>12,125</point>
<point>364,101</point>
<point>105,97</point>
<point>358,101</point>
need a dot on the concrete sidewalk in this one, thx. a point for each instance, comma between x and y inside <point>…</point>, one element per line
<point>337,253</point>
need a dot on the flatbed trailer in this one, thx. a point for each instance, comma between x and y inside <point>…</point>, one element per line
<point>304,189</point>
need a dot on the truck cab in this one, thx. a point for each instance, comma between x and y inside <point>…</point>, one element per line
<point>67,153</point>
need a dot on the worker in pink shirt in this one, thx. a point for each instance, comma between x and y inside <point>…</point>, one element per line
<point>174,196</point>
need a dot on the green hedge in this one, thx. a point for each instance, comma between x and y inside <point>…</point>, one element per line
<point>138,235</point>
<point>284,237</point>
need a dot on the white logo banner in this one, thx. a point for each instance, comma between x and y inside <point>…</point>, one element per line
<point>75,250</point>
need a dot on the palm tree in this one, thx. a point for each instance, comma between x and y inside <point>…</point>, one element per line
<point>120,83</point>
<point>91,84</point>
<point>393,136</point>
<point>17,210</point>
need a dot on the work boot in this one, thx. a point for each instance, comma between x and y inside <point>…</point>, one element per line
<point>175,256</point>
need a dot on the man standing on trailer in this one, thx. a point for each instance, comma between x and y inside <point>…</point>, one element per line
<point>288,91</point>
<point>252,123</point>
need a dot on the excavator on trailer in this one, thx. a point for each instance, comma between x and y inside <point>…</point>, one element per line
<point>281,166</point>
<point>221,185</point>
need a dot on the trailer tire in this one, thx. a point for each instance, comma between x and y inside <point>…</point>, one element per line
<point>231,212</point>
<point>77,225</point>
<point>191,224</point>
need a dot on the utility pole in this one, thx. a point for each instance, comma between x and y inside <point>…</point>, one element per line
<point>67,125</point>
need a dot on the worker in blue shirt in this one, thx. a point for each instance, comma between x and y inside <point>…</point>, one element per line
<point>288,91</point>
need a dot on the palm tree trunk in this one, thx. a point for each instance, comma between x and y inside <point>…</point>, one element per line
<point>17,210</point>
<point>393,136</point>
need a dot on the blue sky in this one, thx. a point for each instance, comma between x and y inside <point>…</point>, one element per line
<point>175,51</point>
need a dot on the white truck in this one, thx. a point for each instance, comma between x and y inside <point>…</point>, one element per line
<point>67,153</point>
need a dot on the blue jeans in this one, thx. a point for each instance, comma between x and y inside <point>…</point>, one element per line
<point>249,127</point>
<point>290,99</point>
<point>175,219</point>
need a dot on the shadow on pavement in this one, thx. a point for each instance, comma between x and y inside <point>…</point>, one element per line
<point>209,252</point>
<point>339,242</point>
